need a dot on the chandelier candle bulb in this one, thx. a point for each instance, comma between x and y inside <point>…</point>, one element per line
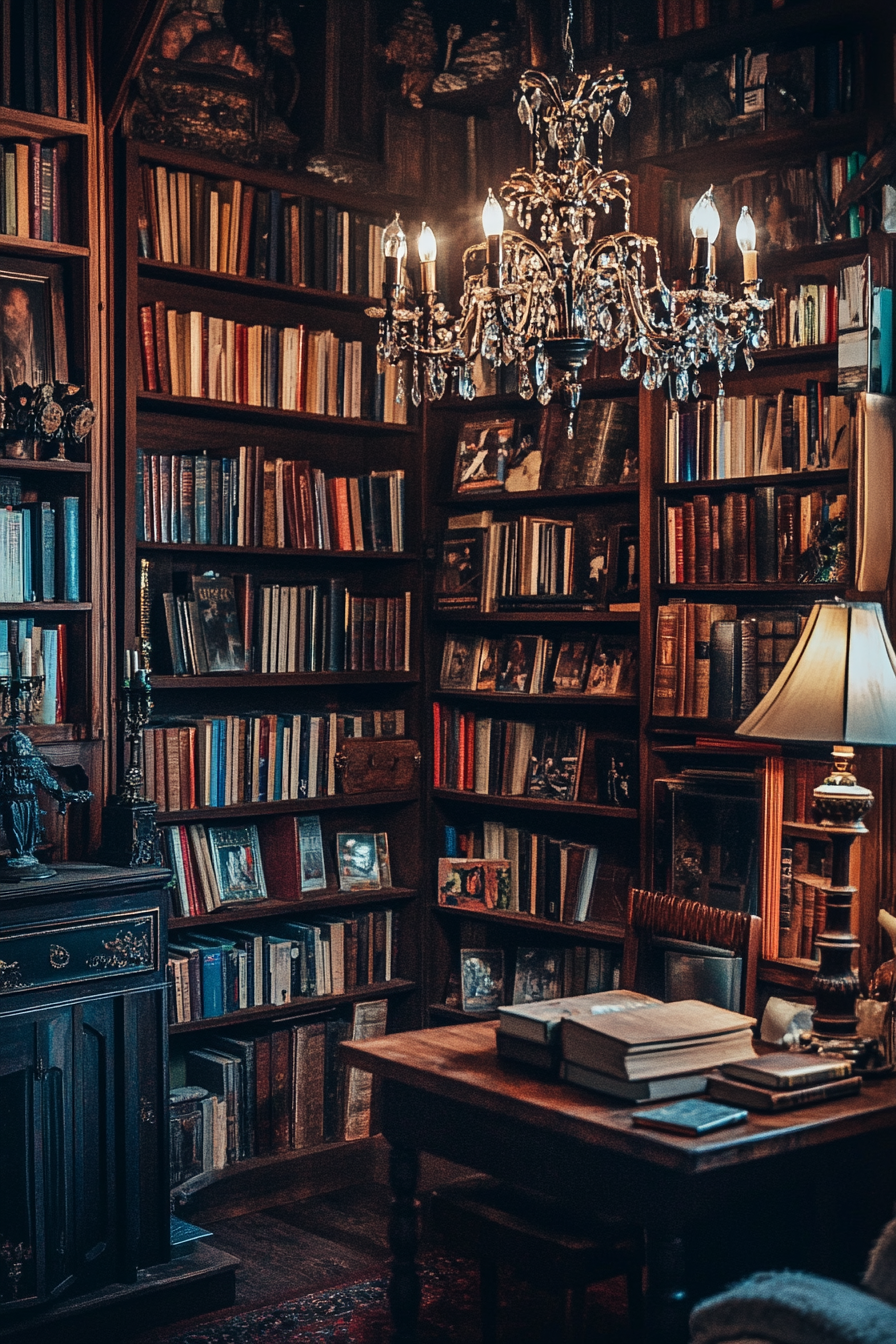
<point>705,224</point>
<point>493,228</point>
<point>427,251</point>
<point>394,252</point>
<point>745,233</point>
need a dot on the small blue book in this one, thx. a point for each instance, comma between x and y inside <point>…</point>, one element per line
<point>690,1116</point>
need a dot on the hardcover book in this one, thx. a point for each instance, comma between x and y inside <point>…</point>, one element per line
<point>312,868</point>
<point>690,1117</point>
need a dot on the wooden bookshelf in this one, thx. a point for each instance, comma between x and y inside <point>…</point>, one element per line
<point>536,804</point>
<point>341,446</point>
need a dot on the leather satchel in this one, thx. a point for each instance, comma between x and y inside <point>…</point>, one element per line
<point>377,764</point>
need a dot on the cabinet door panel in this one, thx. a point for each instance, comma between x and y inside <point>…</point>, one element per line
<point>144,1093</point>
<point>95,1081</point>
<point>55,1166</point>
<point>18,1214</point>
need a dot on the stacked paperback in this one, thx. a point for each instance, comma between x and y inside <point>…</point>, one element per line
<point>625,1044</point>
<point>784,1082</point>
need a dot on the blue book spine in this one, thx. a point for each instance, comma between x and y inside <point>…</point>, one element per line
<point>27,567</point>
<point>140,501</point>
<point>4,648</point>
<point>200,498</point>
<point>187,498</point>
<point>71,561</point>
<point>449,848</point>
<point>212,982</point>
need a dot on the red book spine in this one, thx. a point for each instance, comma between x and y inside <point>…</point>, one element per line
<point>679,547</point>
<point>715,565</point>
<point>162,359</point>
<point>689,542</point>
<point>61,672</point>
<point>470,750</point>
<point>702,538</point>
<point>57,216</point>
<point>241,381</point>
<point>436,744</point>
<point>147,349</point>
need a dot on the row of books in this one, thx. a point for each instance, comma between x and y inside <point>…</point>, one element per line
<point>713,663</point>
<point>807,316</point>
<point>801,777</point>
<point>47,649</point>
<point>252,758</point>
<point>41,67</point>
<point>536,874</point>
<point>212,975</point>
<point>759,435</point>
<point>865,338</point>
<point>250,499</point>
<point>766,536</point>
<point>535,452</point>
<point>285,628</point>
<point>805,869</point>
<point>193,354</point>
<point>536,665</point>
<point>486,981</point>
<point>286,1088</point>
<point>231,226</point>
<point>555,762</point>
<point>40,551</point>
<point>215,866</point>
<point>31,189</point>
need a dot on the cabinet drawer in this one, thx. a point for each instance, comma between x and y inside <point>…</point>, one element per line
<point>40,956</point>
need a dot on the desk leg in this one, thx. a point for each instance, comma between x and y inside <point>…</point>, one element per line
<point>404,1285</point>
<point>668,1298</point>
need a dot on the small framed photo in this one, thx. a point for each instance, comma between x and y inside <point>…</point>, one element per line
<point>539,974</point>
<point>33,346</point>
<point>524,464</point>
<point>624,561</point>
<point>357,860</point>
<point>481,979</point>
<point>516,664</point>
<point>571,667</point>
<point>311,854</point>
<point>483,450</point>
<point>460,660</point>
<point>487,673</point>
<point>475,884</point>
<point>236,856</point>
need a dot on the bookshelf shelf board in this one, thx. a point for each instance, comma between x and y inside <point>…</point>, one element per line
<point>771,590</point>
<point>39,247</point>
<point>441,1012</point>
<point>558,699</point>
<point>796,974</point>
<point>711,727</point>
<point>815,880</point>
<point>823,476</point>
<point>806,830</point>
<point>723,38</point>
<point>54,732</point>
<point>232,410</point>
<point>793,354</point>
<point>295,1008</point>
<point>730,156</point>
<point>538,617</point>
<point>25,464</point>
<point>331,802</point>
<point>220,680</point>
<point>257,1166</point>
<point>591,387</point>
<point>35,607</point>
<point>247,284</point>
<point>786,260</point>
<point>37,124</point>
<point>292,552</point>
<point>611,933</point>
<point>508,499</point>
<point>325,900</point>
<point>535,804</point>
<point>738,746</point>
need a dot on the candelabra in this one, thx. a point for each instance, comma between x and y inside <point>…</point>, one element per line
<point>130,838</point>
<point>23,770</point>
<point>546,304</point>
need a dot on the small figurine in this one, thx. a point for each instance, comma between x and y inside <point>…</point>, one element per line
<point>412,44</point>
<point>22,771</point>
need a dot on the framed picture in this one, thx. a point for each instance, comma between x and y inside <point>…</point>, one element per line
<point>481,979</point>
<point>475,884</point>
<point>311,854</point>
<point>460,660</point>
<point>571,667</point>
<point>236,856</point>
<point>516,664</point>
<point>539,974</point>
<point>33,346</point>
<point>483,449</point>
<point>487,674</point>
<point>357,860</point>
<point>624,561</point>
<point>523,470</point>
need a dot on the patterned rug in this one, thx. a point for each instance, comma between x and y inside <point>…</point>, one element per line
<point>359,1314</point>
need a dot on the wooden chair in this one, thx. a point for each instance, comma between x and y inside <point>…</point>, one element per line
<point>654,915</point>
<point>542,1239</point>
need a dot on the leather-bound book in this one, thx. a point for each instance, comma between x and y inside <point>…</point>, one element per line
<point>723,678</point>
<point>787,538</point>
<point>689,542</point>
<point>740,522</point>
<point>715,563</point>
<point>308,1058</point>
<point>766,534</point>
<point>681,683</point>
<point>665,675</point>
<point>747,697</point>
<point>702,634</point>
<point>727,539</point>
<point>702,539</point>
<point>263,1094</point>
<point>280,1090</point>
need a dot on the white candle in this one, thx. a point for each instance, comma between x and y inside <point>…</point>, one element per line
<point>27,662</point>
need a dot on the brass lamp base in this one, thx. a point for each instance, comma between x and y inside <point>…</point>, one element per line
<point>839,805</point>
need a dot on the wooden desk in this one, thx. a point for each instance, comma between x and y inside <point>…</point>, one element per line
<point>806,1190</point>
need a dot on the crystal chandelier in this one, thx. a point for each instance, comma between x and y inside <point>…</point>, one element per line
<point>545,295</point>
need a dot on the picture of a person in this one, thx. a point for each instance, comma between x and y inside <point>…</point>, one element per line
<point>21,363</point>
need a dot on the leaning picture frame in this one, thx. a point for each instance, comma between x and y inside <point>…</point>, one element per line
<point>33,343</point>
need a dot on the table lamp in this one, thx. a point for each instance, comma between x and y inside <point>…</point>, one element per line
<point>838,687</point>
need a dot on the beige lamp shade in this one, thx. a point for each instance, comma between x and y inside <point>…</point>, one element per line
<point>838,685</point>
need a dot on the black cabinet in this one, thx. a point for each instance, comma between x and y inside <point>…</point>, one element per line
<point>83,1081</point>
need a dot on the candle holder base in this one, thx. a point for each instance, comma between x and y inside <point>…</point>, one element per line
<point>130,837</point>
<point>17,870</point>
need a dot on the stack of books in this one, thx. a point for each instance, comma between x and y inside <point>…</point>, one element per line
<point>627,1045</point>
<point>783,1082</point>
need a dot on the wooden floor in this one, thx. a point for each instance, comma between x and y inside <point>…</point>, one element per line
<point>315,1244</point>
